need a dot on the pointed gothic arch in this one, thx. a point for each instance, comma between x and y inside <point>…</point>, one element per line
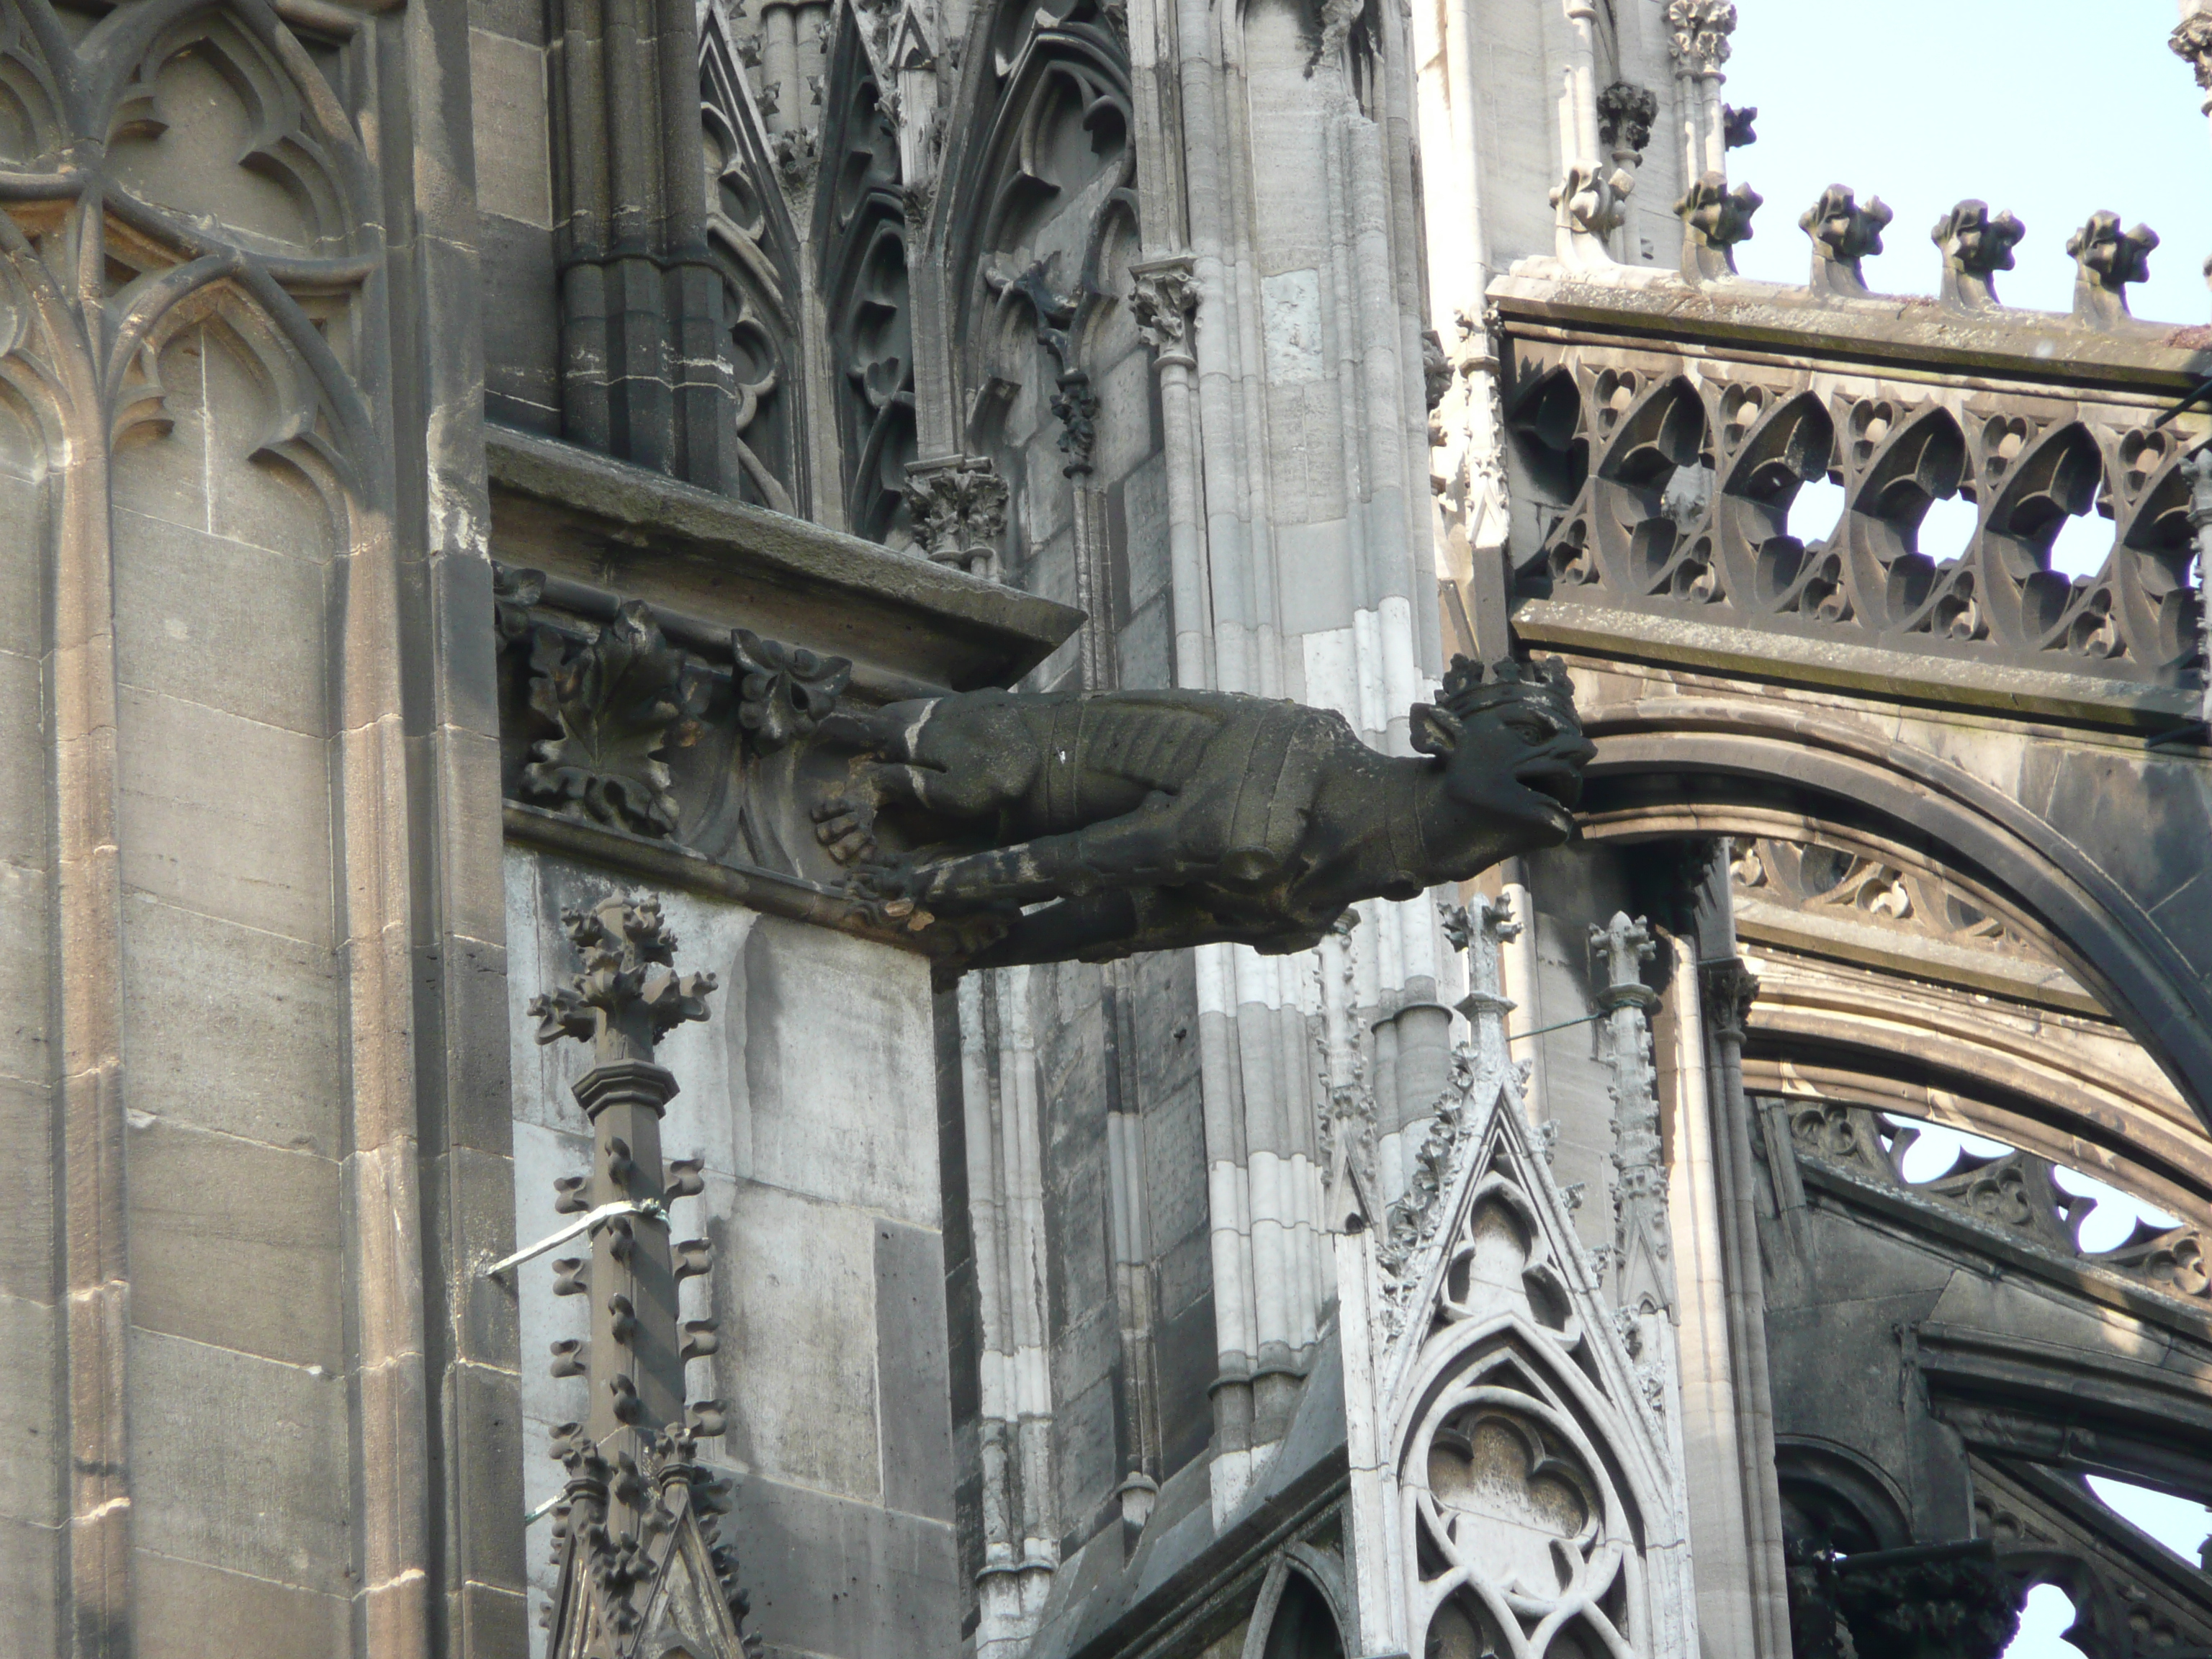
<point>860,207</point>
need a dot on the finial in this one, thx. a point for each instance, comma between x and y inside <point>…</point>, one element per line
<point>1714,218</point>
<point>1975,246</point>
<point>2106,260</point>
<point>630,994</point>
<point>1844,233</point>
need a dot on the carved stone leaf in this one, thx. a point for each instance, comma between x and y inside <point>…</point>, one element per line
<point>619,703</point>
<point>784,691</point>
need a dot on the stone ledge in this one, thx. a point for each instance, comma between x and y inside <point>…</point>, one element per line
<point>1891,676</point>
<point>582,516</point>
<point>1912,332</point>
<point>2012,1252</point>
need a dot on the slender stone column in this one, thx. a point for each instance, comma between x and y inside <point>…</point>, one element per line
<point>1728,990</point>
<point>1164,299</point>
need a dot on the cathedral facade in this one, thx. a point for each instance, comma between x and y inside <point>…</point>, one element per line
<point>584,1074</point>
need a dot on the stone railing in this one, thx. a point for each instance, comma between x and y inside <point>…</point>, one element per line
<point>1660,428</point>
<point>2013,1194</point>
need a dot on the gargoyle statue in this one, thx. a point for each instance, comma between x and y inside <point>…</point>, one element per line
<point>1092,826</point>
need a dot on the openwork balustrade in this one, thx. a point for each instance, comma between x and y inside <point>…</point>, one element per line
<point>1658,477</point>
<point>2013,1191</point>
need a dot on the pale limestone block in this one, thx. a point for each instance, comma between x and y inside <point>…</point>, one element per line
<point>230,1028</point>
<point>1290,327</point>
<point>235,1244</point>
<point>186,1610</point>
<point>250,643</point>
<point>255,493</point>
<point>1317,591</point>
<point>22,762</point>
<point>240,1461</point>
<point>841,1069</point>
<point>797,1360</point>
<point>226,816</point>
<point>1330,660</point>
<point>30,1424</point>
<point>165,476</point>
<point>30,1588</point>
<point>1125,419</point>
<point>28,1244</point>
<point>514,177</point>
<point>830,1576</point>
<point>22,550</point>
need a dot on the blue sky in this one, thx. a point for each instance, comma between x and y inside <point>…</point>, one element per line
<point>2049,108</point>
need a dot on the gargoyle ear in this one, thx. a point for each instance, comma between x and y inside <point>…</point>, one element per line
<point>1435,732</point>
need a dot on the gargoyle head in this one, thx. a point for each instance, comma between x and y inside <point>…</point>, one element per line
<point>1512,749</point>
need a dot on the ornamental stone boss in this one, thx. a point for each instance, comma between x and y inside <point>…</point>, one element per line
<point>1065,826</point>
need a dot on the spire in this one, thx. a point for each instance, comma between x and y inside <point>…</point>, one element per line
<point>635,1530</point>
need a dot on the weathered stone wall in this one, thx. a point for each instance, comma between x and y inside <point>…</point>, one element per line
<point>508,70</point>
<point>808,1093</point>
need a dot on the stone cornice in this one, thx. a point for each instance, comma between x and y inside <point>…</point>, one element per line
<point>581,516</point>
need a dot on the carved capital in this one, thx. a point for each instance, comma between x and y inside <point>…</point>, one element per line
<point>1624,114</point>
<point>2197,469</point>
<point>958,506</point>
<point>1714,218</point>
<point>1729,989</point>
<point>2191,42</point>
<point>1075,406</point>
<point>2106,260</point>
<point>619,703</point>
<point>513,592</point>
<point>1975,247</point>
<point>1698,34</point>
<point>796,151</point>
<point>1164,299</point>
<point>630,994</point>
<point>1843,233</point>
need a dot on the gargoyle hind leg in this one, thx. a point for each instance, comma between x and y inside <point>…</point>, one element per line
<point>1130,851</point>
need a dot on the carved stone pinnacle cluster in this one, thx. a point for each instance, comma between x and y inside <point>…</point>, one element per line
<point>2107,258</point>
<point>2191,41</point>
<point>1975,246</point>
<point>1624,114</point>
<point>630,994</point>
<point>1844,233</point>
<point>1714,218</point>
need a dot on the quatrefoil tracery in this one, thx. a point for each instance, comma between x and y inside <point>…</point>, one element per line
<point>1674,493</point>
